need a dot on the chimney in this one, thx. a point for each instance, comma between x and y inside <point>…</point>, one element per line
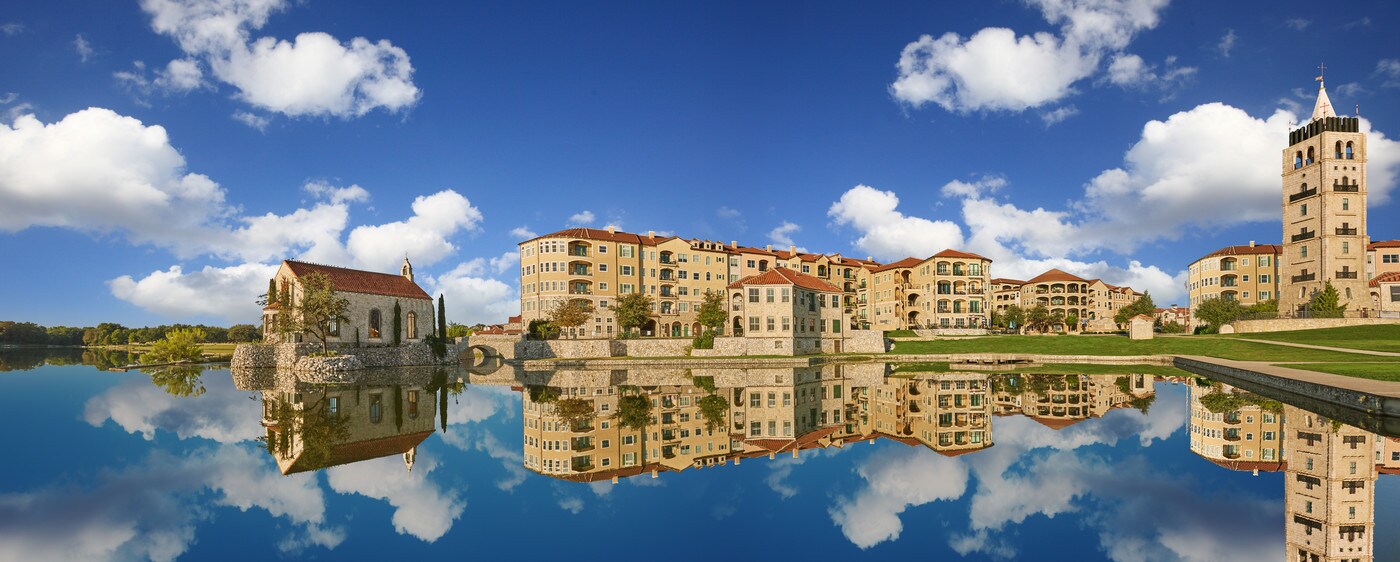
<point>1251,243</point>
<point>770,247</point>
<point>792,250</point>
<point>612,229</point>
<point>651,234</point>
<point>734,244</point>
<point>868,258</point>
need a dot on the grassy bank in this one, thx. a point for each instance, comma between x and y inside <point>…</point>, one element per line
<point>1050,369</point>
<point>1208,346</point>
<point>1389,372</point>
<point>1380,337</point>
<point>205,348</point>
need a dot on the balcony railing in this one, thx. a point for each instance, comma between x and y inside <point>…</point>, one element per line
<point>578,252</point>
<point>1302,194</point>
<point>1342,188</point>
<point>1305,277</point>
<point>1232,419</point>
<point>579,271</point>
<point>1346,275</point>
<point>1304,235</point>
<point>1346,231</point>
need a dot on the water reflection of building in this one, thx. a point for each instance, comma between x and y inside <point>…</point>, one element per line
<point>1248,438</point>
<point>768,412</point>
<point>311,426</point>
<point>1329,468</point>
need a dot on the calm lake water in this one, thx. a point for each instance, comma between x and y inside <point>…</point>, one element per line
<point>861,461</point>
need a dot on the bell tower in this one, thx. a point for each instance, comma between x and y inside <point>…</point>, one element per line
<point>407,269</point>
<point>1324,210</point>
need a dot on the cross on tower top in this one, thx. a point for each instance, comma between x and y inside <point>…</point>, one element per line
<point>1321,71</point>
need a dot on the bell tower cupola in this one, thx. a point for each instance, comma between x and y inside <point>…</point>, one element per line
<point>407,269</point>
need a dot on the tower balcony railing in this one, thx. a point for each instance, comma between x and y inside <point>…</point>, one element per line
<point>1343,188</point>
<point>1346,231</point>
<point>1346,275</point>
<point>1305,277</point>
<point>1302,194</point>
<point>1304,235</point>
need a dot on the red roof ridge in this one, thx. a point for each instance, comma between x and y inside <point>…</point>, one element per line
<point>347,280</point>
<point>1388,277</point>
<point>1245,250</point>
<point>1056,274</point>
<point>951,253</point>
<point>786,276</point>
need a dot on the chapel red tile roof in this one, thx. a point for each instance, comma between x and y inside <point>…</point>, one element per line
<point>1246,250</point>
<point>1055,275</point>
<point>786,276</point>
<point>1391,277</point>
<point>957,254</point>
<point>357,281</point>
<point>356,451</point>
<point>1251,466</point>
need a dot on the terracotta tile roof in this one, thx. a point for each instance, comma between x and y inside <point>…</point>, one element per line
<point>751,250</point>
<point>1055,423</point>
<point>601,475</point>
<point>1005,281</point>
<point>1246,250</point>
<point>1383,244</point>
<point>1251,466</point>
<point>364,282</point>
<point>1056,275</point>
<point>602,234</point>
<point>356,451</point>
<point>786,276</point>
<point>957,254</point>
<point>960,452</point>
<point>1392,277</point>
<point>904,263</point>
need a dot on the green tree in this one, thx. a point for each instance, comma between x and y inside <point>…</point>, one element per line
<point>1038,318</point>
<point>1216,312</point>
<point>1072,320</point>
<point>318,310</point>
<point>1173,327</point>
<point>1014,317</point>
<point>711,314</point>
<point>1327,303</point>
<point>633,412</point>
<point>542,329</point>
<point>455,330</point>
<point>398,323</point>
<point>178,345</point>
<point>441,319</point>
<point>571,313</point>
<point>1267,306</point>
<point>713,408</point>
<point>576,412</point>
<point>180,381</point>
<point>632,311</point>
<point>242,333</point>
<point>1143,305</point>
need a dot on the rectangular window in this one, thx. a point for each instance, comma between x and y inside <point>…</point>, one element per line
<point>755,429</point>
<point>787,295</point>
<point>753,323</point>
<point>771,294</point>
<point>772,324</point>
<point>602,249</point>
<point>787,324</point>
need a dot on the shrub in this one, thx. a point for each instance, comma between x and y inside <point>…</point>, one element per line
<point>704,341</point>
<point>178,345</point>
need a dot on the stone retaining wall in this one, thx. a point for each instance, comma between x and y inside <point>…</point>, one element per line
<point>1286,324</point>
<point>1353,399</point>
<point>291,355</point>
<point>515,347</point>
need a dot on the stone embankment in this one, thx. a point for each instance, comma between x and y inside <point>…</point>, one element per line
<point>515,347</point>
<point>298,356</point>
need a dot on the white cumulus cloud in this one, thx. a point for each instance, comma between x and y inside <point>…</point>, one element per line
<point>224,292</point>
<point>887,233</point>
<point>472,297</point>
<point>896,479</point>
<point>582,218</point>
<point>425,237</point>
<point>422,508</point>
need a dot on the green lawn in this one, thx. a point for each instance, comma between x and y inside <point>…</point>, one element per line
<point>1052,369</point>
<point>1209,346</point>
<point>1375,371</point>
<point>1381,337</point>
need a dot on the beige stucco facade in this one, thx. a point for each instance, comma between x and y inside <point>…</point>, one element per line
<point>1247,273</point>
<point>950,289</point>
<point>370,314</point>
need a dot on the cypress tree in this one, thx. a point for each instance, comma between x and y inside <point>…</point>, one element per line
<point>271,291</point>
<point>442,319</point>
<point>398,323</point>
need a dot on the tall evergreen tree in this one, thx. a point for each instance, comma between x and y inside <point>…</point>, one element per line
<point>441,319</point>
<point>398,323</point>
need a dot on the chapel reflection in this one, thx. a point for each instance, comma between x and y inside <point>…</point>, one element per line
<point>1329,468</point>
<point>313,425</point>
<point>606,425</point>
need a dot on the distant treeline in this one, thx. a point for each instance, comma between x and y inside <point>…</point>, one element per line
<point>108,333</point>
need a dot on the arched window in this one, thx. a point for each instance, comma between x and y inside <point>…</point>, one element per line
<point>1298,160</point>
<point>412,325</point>
<point>1311,157</point>
<point>374,322</point>
<point>1339,149</point>
<point>1349,151</point>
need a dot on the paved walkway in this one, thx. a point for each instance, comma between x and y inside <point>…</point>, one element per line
<point>1378,388</point>
<point>1326,348</point>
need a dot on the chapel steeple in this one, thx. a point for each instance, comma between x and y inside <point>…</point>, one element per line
<point>1323,107</point>
<point>407,269</point>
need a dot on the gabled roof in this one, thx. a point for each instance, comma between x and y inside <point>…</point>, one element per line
<point>786,276</point>
<point>957,254</point>
<point>1251,466</point>
<point>347,280</point>
<point>1056,275</point>
<point>1055,423</point>
<point>1383,244</point>
<point>904,263</point>
<point>1392,277</point>
<point>1246,250</point>
<point>356,451</point>
<point>602,234</point>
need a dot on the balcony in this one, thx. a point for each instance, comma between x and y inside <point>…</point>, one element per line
<point>1305,277</point>
<point>1232,435</point>
<point>1341,188</point>
<point>1346,232</point>
<point>1232,418</point>
<point>580,271</point>
<point>1346,275</point>
<point>1231,452</point>
<point>581,444</point>
<point>1304,235</point>
<point>582,464</point>
<point>1302,195</point>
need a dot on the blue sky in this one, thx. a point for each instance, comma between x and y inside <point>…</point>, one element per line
<point>157,157</point>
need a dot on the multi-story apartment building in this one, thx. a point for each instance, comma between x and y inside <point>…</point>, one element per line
<point>1092,301</point>
<point>601,265</point>
<point>1382,257</point>
<point>1324,210</point>
<point>1248,274</point>
<point>784,311</point>
<point>950,289</point>
<point>1005,293</point>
